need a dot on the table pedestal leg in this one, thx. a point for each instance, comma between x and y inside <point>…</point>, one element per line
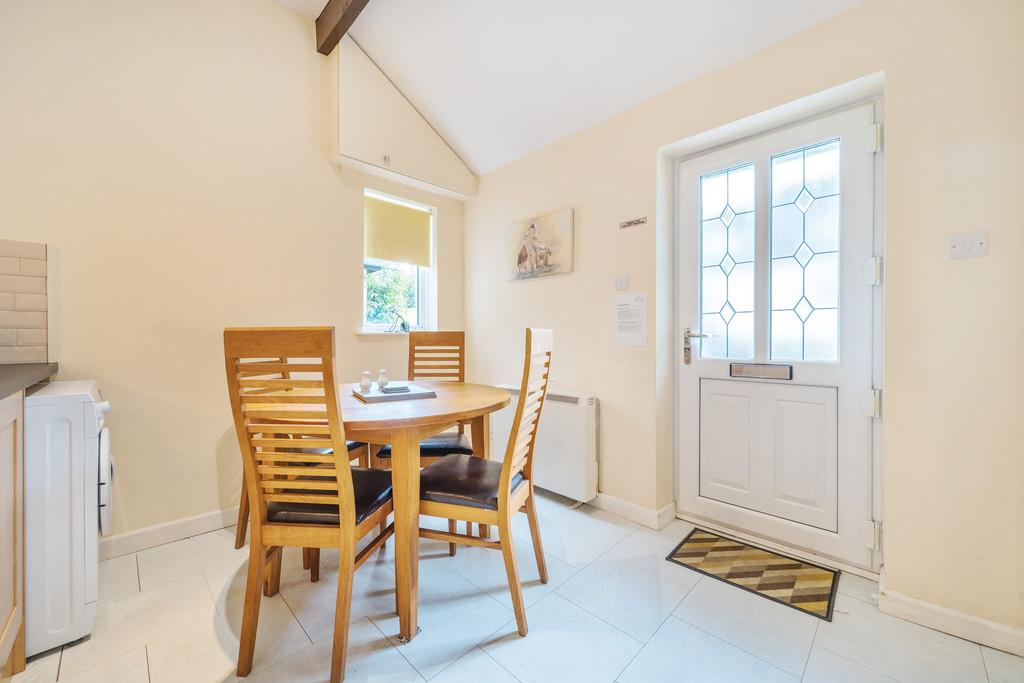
<point>405,479</point>
<point>481,436</point>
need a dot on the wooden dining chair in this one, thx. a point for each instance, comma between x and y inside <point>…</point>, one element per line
<point>440,357</point>
<point>461,487</point>
<point>357,451</point>
<point>309,498</point>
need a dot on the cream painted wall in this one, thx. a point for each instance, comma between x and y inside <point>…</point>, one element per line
<point>175,154</point>
<point>954,459</point>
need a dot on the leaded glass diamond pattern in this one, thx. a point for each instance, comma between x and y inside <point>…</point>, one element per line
<point>805,253</point>
<point>803,201</point>
<point>727,262</point>
<point>728,215</point>
<point>727,313</point>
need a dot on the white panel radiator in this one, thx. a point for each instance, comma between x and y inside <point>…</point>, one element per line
<point>565,458</point>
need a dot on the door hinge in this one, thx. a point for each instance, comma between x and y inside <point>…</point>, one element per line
<point>873,271</point>
<point>873,138</point>
<point>872,403</point>
<point>873,535</point>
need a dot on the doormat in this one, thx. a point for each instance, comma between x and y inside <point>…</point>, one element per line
<point>803,586</point>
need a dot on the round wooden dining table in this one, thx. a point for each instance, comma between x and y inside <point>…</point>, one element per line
<point>403,424</point>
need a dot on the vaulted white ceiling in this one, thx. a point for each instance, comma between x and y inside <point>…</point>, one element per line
<point>499,79</point>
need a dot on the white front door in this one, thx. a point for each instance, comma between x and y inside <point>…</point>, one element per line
<point>775,240</point>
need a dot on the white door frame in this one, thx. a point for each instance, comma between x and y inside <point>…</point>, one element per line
<point>864,90</point>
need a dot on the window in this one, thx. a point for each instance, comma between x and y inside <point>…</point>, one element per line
<point>805,254</point>
<point>398,264</point>
<point>727,262</point>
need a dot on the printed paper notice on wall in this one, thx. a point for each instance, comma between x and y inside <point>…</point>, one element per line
<point>631,320</point>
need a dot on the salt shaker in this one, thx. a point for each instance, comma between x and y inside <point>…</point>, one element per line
<point>382,378</point>
<point>366,383</point>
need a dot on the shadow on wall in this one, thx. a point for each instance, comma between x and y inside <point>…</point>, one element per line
<point>229,469</point>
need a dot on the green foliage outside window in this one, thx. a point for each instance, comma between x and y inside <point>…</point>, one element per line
<point>390,290</point>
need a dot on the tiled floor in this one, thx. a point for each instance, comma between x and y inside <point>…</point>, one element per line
<point>613,609</point>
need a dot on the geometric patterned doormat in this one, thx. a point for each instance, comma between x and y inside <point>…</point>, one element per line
<point>803,586</point>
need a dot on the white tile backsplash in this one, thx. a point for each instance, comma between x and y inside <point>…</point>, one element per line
<point>23,331</point>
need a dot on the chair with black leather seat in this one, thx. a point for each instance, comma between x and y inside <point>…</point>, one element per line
<point>308,497</point>
<point>461,487</point>
<point>440,357</point>
<point>356,451</point>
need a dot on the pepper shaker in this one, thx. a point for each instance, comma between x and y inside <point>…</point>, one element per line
<point>366,383</point>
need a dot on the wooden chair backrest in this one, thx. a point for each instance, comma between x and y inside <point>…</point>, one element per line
<point>532,393</point>
<point>439,356</point>
<point>284,400</point>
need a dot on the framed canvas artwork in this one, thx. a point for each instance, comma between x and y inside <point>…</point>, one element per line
<point>541,246</point>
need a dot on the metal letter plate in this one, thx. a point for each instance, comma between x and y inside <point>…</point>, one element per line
<point>760,371</point>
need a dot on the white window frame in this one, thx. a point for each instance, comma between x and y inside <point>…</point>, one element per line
<point>426,285</point>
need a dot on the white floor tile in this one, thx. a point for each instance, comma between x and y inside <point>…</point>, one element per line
<point>897,648</point>
<point>373,593</point>
<point>474,667</point>
<point>858,587</point>
<point>565,643</point>
<point>118,576</point>
<point>182,558</point>
<point>827,667</point>
<point>133,620</point>
<point>1003,667</point>
<point>455,616</point>
<point>647,549</point>
<point>581,536</point>
<point>208,651</point>
<point>371,657</point>
<point>227,580</point>
<point>682,652</point>
<point>485,568</point>
<point>41,668</point>
<point>128,668</point>
<point>627,597</point>
<point>775,633</point>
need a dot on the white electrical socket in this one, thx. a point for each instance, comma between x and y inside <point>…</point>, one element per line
<point>622,282</point>
<point>968,245</point>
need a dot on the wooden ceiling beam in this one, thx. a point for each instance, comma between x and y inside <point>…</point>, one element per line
<point>336,19</point>
<point>335,22</point>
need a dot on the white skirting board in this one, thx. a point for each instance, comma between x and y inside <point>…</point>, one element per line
<point>652,519</point>
<point>158,534</point>
<point>959,624</point>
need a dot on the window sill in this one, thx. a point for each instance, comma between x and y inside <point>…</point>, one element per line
<point>379,333</point>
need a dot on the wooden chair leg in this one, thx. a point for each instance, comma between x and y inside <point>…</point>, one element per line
<point>273,578</point>
<point>452,529</point>
<point>251,610</point>
<point>305,557</point>
<point>538,547</point>
<point>314,565</point>
<point>342,613</point>
<point>508,550</point>
<point>243,517</point>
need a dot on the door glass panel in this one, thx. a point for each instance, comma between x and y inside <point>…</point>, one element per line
<point>727,263</point>
<point>805,254</point>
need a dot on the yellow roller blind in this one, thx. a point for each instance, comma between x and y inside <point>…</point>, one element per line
<point>394,232</point>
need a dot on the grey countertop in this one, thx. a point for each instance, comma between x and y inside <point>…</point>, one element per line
<point>17,376</point>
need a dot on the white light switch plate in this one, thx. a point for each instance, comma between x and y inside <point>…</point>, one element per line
<point>622,282</point>
<point>968,245</point>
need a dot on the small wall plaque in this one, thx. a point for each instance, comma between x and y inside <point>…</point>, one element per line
<point>760,371</point>
<point>633,223</point>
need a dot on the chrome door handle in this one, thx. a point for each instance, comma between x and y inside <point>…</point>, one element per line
<point>689,334</point>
